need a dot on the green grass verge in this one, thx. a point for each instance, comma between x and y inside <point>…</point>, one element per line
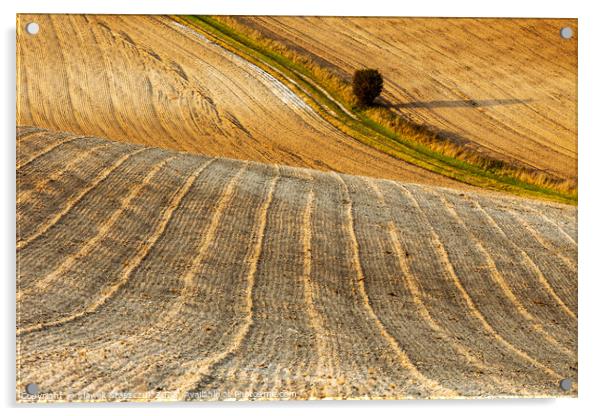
<point>363,128</point>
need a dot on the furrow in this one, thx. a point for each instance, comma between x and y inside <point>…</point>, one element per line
<point>140,255</point>
<point>56,173</point>
<point>141,353</point>
<point>555,256</point>
<point>90,244</point>
<point>45,201</point>
<point>288,362</point>
<point>45,151</point>
<point>435,388</point>
<point>471,373</point>
<point>21,244</point>
<point>470,303</point>
<point>189,291</point>
<point>198,369</point>
<point>33,140</point>
<point>80,223</point>
<point>540,276</point>
<point>324,365</point>
<point>512,284</point>
<point>568,236</point>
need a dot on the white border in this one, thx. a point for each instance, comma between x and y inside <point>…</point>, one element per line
<point>590,230</point>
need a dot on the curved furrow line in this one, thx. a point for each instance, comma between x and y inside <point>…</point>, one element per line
<point>540,276</point>
<point>411,282</point>
<point>546,218</point>
<point>103,231</point>
<point>246,371</point>
<point>198,369</point>
<point>30,140</point>
<point>150,289</point>
<point>21,244</point>
<point>445,303</point>
<point>139,257</point>
<point>336,299</point>
<point>432,385</point>
<point>44,184</point>
<point>46,151</point>
<point>300,358</point>
<point>324,365</point>
<point>23,196</point>
<point>570,263</point>
<point>38,259</point>
<point>143,364</point>
<point>474,311</point>
<point>83,220</point>
<point>503,284</point>
<point>324,353</point>
<point>555,224</point>
<point>187,293</point>
<point>565,272</point>
<point>287,360</point>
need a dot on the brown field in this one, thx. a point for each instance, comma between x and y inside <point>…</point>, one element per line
<point>507,85</point>
<point>149,80</point>
<point>153,271</point>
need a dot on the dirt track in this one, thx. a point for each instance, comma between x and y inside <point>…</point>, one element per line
<point>509,85</point>
<point>152,271</point>
<point>148,80</point>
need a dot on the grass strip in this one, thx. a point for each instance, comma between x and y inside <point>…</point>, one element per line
<point>355,123</point>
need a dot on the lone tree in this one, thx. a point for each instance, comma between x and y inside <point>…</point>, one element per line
<point>367,85</point>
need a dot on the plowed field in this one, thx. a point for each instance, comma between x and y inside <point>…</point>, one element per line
<point>173,275</point>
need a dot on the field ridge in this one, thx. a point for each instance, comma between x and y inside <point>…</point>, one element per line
<point>220,274</point>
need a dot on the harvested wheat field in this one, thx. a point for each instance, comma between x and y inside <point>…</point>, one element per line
<point>171,275</point>
<point>507,85</point>
<point>153,81</point>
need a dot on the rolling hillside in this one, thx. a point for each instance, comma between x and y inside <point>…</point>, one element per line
<point>507,85</point>
<point>171,275</point>
<point>152,81</point>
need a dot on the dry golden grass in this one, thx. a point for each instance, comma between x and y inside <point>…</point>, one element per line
<point>149,80</point>
<point>451,84</point>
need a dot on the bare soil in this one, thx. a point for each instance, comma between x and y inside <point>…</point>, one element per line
<point>172,275</point>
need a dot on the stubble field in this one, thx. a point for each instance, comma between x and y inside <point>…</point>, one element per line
<point>153,81</point>
<point>165,273</point>
<point>196,221</point>
<point>507,85</point>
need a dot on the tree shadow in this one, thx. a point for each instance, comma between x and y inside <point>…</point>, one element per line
<point>458,103</point>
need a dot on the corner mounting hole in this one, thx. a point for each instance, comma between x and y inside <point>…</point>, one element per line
<point>32,28</point>
<point>566,384</point>
<point>32,388</point>
<point>566,33</point>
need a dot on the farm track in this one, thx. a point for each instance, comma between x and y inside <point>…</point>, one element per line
<point>522,108</point>
<point>152,81</point>
<point>153,271</point>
